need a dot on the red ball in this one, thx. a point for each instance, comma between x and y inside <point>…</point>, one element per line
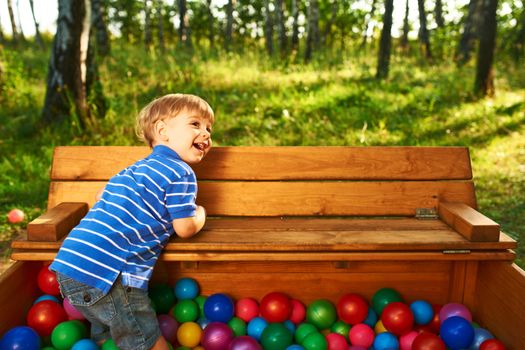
<point>436,322</point>
<point>397,318</point>
<point>336,341</point>
<point>352,308</point>
<point>275,307</point>
<point>44,316</point>
<point>47,281</point>
<point>428,341</point>
<point>298,311</point>
<point>492,344</point>
<point>246,309</point>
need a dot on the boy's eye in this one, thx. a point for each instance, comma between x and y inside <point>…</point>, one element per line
<point>208,130</point>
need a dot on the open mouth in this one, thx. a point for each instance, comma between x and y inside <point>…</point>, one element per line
<point>201,146</point>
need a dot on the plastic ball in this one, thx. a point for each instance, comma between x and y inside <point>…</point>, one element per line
<point>355,347</point>
<point>492,344</point>
<point>71,311</point>
<point>46,297</point>
<point>275,307</point>
<point>276,337</point>
<point>200,300</point>
<point>386,341</point>
<point>454,309</point>
<point>219,307</point>
<point>379,327</point>
<point>246,309</point>
<point>434,324</point>
<point>336,341</point>
<point>168,327</point>
<point>352,308</point>
<point>295,347</point>
<point>185,310</point>
<point>47,281</point>
<point>162,298</point>
<point>383,297</point>
<point>290,325</point>
<point>422,311</point>
<point>244,342</point>
<point>321,313</point>
<point>397,318</point>
<point>216,336</point>
<point>186,288</point>
<point>66,334</point>
<point>456,332</point>
<point>109,345</point>
<point>371,318</point>
<point>480,335</point>
<point>361,335</point>
<point>298,311</point>
<point>255,327</point>
<point>20,338</point>
<point>15,216</point>
<point>189,334</point>
<point>44,316</point>
<point>238,326</point>
<point>406,340</point>
<point>303,330</point>
<point>427,341</point>
<point>85,344</point>
<point>341,327</point>
<point>315,341</point>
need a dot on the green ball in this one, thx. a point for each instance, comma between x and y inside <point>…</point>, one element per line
<point>109,345</point>
<point>186,310</point>
<point>321,313</point>
<point>238,326</point>
<point>341,327</point>
<point>48,348</point>
<point>276,336</point>
<point>303,330</point>
<point>162,298</point>
<point>200,300</point>
<point>66,334</point>
<point>315,341</point>
<point>82,327</point>
<point>383,297</point>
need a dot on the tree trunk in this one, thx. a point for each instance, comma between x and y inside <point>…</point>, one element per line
<point>68,65</point>
<point>424,40</point>
<point>228,39</point>
<point>148,38</point>
<point>327,35</point>
<point>385,42</point>
<point>210,24</point>
<point>367,23</point>
<point>484,84</point>
<point>438,10</point>
<point>184,25</point>
<point>160,26</point>
<point>406,27</point>
<point>12,19</point>
<point>312,38</point>
<point>281,29</point>
<point>268,28</point>
<point>98,23</point>
<point>470,33</point>
<point>295,25</point>
<point>38,37</point>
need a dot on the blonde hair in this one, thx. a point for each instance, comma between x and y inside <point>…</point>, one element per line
<point>166,107</point>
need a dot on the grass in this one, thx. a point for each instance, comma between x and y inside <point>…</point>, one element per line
<point>261,101</point>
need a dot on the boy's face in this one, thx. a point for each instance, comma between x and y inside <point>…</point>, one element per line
<point>188,134</point>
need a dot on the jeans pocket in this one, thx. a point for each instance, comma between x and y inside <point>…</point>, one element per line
<point>79,294</point>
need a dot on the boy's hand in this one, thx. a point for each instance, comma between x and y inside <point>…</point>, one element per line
<point>188,227</point>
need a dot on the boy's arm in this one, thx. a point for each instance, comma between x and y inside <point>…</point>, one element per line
<point>188,227</point>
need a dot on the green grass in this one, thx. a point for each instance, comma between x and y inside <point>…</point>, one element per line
<point>261,101</point>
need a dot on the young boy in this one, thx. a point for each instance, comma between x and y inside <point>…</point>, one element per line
<point>104,265</point>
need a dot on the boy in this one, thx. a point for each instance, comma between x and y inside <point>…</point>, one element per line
<point>104,265</point>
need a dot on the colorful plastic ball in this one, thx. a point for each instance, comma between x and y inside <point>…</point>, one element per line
<point>303,330</point>
<point>371,318</point>
<point>203,322</point>
<point>109,345</point>
<point>255,327</point>
<point>379,327</point>
<point>71,311</point>
<point>454,309</point>
<point>47,281</point>
<point>82,327</point>
<point>355,347</point>
<point>20,338</point>
<point>492,344</point>
<point>185,310</point>
<point>246,309</point>
<point>480,335</point>
<point>298,311</point>
<point>383,297</point>
<point>397,318</point>
<point>315,341</point>
<point>275,307</point>
<point>168,327</point>
<point>46,297</point>
<point>406,340</point>
<point>352,308</point>
<point>162,298</point>
<point>238,326</point>
<point>386,341</point>
<point>422,311</point>
<point>66,334</point>
<point>341,327</point>
<point>44,316</point>
<point>433,325</point>
<point>15,216</point>
<point>456,332</point>
<point>218,307</point>
<point>186,288</point>
<point>427,341</point>
<point>336,341</point>
<point>217,336</point>
<point>276,337</point>
<point>361,335</point>
<point>321,313</point>
<point>244,342</point>
<point>200,300</point>
<point>189,334</point>
<point>295,347</point>
<point>85,344</point>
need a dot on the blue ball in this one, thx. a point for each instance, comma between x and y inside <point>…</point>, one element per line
<point>423,312</point>
<point>219,308</point>
<point>386,341</point>
<point>20,338</point>
<point>371,318</point>
<point>47,297</point>
<point>295,347</point>
<point>255,327</point>
<point>456,332</point>
<point>85,344</point>
<point>186,288</point>
<point>480,335</point>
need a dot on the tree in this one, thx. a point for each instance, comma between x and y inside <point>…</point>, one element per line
<point>148,36</point>
<point>385,42</point>
<point>312,37</point>
<point>438,11</point>
<point>295,25</point>
<point>368,20</point>
<point>228,40</point>
<point>160,25</point>
<point>268,28</point>
<point>469,35</point>
<point>281,29</point>
<point>406,27</point>
<point>211,34</point>
<point>184,24</point>
<point>424,40</point>
<point>21,33</point>
<point>12,19</point>
<point>484,84</point>
<point>38,37</point>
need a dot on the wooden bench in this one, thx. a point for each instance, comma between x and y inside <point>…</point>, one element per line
<point>312,222</point>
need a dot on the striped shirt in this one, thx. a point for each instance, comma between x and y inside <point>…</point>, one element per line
<point>128,227</point>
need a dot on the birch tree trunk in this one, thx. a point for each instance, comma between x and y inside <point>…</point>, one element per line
<point>470,33</point>
<point>14,29</point>
<point>184,25</point>
<point>312,38</point>
<point>367,23</point>
<point>281,29</point>
<point>385,43</point>
<point>38,36</point>
<point>424,40</point>
<point>295,25</point>
<point>268,28</point>
<point>406,27</point>
<point>438,10</point>
<point>484,84</point>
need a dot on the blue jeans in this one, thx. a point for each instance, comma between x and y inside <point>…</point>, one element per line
<point>124,314</point>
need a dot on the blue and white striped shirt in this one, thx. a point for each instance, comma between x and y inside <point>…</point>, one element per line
<point>126,230</point>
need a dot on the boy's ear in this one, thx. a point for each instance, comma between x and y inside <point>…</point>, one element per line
<point>160,130</point>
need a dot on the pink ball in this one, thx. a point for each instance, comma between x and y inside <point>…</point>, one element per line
<point>355,347</point>
<point>216,336</point>
<point>361,335</point>
<point>71,311</point>
<point>298,311</point>
<point>168,327</point>
<point>406,340</point>
<point>336,341</point>
<point>246,309</point>
<point>244,342</point>
<point>15,216</point>
<point>454,309</point>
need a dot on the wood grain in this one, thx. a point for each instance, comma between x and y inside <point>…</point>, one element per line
<point>56,222</point>
<point>469,222</point>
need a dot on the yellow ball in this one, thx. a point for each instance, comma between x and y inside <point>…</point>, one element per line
<point>199,348</point>
<point>379,328</point>
<point>189,334</point>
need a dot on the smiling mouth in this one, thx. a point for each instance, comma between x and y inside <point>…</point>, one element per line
<point>201,146</point>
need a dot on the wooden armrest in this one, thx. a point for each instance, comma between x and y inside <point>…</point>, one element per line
<point>56,222</point>
<point>470,223</point>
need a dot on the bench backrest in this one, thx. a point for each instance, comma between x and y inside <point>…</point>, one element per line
<point>290,181</point>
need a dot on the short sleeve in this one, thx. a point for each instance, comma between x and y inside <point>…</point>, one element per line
<point>180,197</point>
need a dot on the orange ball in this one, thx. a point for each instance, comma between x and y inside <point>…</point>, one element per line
<point>189,334</point>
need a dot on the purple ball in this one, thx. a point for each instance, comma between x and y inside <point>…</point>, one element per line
<point>168,327</point>
<point>216,336</point>
<point>244,342</point>
<point>454,309</point>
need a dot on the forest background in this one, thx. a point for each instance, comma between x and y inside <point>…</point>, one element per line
<point>277,72</point>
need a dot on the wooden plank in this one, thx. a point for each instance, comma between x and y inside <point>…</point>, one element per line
<point>468,222</point>
<point>331,198</point>
<point>56,222</point>
<point>279,163</point>
<point>500,302</point>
